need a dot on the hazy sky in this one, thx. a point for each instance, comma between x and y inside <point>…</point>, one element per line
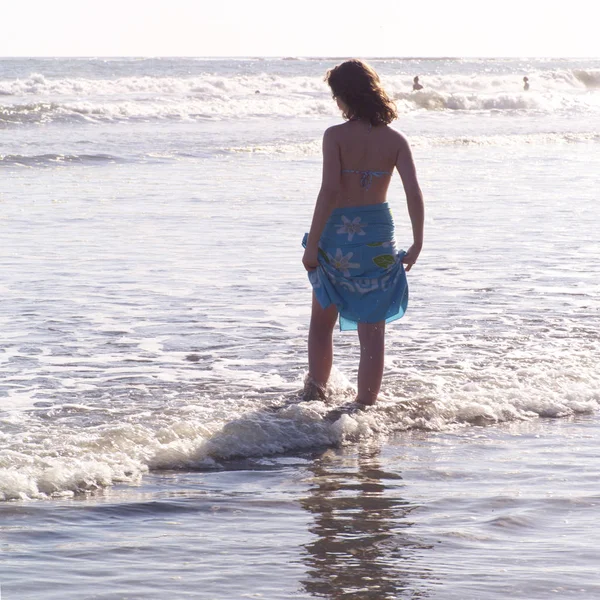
<point>307,28</point>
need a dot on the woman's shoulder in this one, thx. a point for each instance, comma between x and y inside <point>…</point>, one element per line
<point>334,131</point>
<point>399,140</point>
<point>345,134</point>
<point>397,135</point>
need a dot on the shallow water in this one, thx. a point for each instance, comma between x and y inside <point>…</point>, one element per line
<point>154,322</point>
<point>479,513</point>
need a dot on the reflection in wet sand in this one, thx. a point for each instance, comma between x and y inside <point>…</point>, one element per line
<point>363,549</point>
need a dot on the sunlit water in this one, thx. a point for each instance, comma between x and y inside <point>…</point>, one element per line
<point>154,317</point>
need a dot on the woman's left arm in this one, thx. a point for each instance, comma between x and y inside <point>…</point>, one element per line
<point>326,200</point>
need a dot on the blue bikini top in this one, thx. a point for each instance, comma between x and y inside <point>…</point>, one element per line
<point>366,177</point>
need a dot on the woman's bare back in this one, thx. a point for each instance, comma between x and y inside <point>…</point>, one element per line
<point>367,157</point>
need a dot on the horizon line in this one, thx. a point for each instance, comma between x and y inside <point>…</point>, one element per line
<point>301,57</point>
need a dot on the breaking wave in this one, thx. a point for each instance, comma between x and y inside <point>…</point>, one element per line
<point>52,160</point>
<point>40,99</point>
<point>74,448</point>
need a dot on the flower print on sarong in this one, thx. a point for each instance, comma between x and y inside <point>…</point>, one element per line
<point>351,227</point>
<point>315,280</point>
<point>360,269</point>
<point>342,263</point>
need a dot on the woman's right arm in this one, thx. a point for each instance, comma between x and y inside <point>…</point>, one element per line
<point>326,200</point>
<point>414,199</point>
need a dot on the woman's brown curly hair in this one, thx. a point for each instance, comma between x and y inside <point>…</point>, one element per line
<point>358,86</point>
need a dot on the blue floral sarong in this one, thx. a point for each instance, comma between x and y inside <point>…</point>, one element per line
<point>360,270</point>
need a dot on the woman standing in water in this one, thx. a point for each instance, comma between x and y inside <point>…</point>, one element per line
<point>351,257</point>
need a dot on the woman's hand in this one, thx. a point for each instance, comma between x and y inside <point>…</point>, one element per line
<point>410,258</point>
<point>310,260</point>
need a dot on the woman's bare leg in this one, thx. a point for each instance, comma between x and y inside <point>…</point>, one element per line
<point>370,368</point>
<point>320,342</point>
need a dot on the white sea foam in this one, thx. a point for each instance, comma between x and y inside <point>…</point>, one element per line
<point>55,461</point>
<point>589,78</point>
<point>212,96</point>
<point>52,160</point>
<point>313,148</point>
<point>269,83</point>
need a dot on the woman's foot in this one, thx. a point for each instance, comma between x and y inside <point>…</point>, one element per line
<point>350,408</point>
<point>366,402</point>
<point>313,390</point>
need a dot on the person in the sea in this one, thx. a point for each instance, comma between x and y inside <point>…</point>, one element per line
<point>350,253</point>
<point>416,85</point>
<point>526,83</point>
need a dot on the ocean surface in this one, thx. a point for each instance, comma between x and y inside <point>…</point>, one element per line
<point>154,314</point>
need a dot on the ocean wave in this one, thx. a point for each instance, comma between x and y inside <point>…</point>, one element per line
<point>32,113</point>
<point>52,160</point>
<point>61,459</point>
<point>104,112</point>
<point>553,81</point>
<point>516,101</point>
<point>508,140</point>
<point>221,96</point>
<point>313,147</point>
<point>590,78</point>
<point>309,148</point>
<point>438,101</point>
<point>147,86</point>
